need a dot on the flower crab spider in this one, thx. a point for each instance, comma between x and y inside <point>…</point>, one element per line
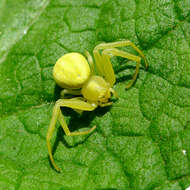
<point>77,76</point>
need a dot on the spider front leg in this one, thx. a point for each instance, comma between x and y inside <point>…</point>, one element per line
<point>107,52</point>
<point>71,103</point>
<point>109,49</point>
<point>104,66</point>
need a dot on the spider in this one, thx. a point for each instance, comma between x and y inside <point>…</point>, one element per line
<point>77,76</point>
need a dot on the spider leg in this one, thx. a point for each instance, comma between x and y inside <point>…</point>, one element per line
<point>90,61</point>
<point>104,66</point>
<point>71,103</point>
<point>123,43</point>
<point>114,93</point>
<point>68,132</point>
<point>103,60</point>
<point>127,55</point>
<point>106,104</point>
<point>69,91</point>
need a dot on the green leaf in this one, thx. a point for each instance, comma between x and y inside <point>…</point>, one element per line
<point>142,141</point>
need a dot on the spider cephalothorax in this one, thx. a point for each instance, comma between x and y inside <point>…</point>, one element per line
<point>78,77</point>
<point>96,90</point>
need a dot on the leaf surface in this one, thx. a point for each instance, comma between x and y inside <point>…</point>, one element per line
<point>142,141</point>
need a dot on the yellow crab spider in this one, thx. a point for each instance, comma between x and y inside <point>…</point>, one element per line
<point>77,76</point>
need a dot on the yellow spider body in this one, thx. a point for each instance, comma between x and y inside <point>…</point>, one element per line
<point>96,90</point>
<point>69,73</point>
<point>77,76</point>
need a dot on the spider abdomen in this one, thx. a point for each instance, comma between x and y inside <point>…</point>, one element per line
<point>71,71</point>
